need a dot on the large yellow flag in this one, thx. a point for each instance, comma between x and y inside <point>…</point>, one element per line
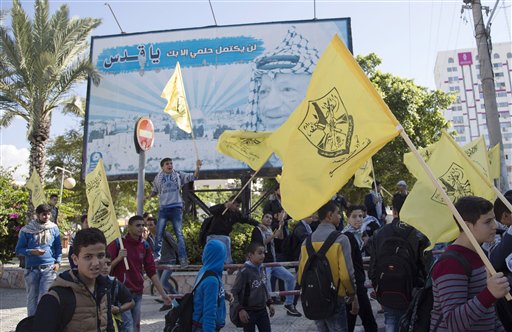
<point>494,162</point>
<point>338,126</point>
<point>477,152</point>
<point>413,164</point>
<point>101,213</point>
<point>363,177</point>
<point>424,207</point>
<point>177,106</point>
<point>247,146</point>
<point>36,188</point>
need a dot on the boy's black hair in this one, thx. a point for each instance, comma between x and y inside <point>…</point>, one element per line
<point>472,207</point>
<point>162,162</point>
<point>253,246</point>
<point>352,208</point>
<point>374,183</point>
<point>397,202</point>
<point>53,195</point>
<point>134,219</point>
<point>330,206</point>
<point>237,199</point>
<point>500,208</point>
<point>87,237</point>
<point>43,208</point>
<point>108,255</point>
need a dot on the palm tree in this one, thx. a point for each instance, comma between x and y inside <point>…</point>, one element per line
<point>41,60</point>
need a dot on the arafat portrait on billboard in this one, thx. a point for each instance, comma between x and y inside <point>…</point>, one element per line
<point>236,77</point>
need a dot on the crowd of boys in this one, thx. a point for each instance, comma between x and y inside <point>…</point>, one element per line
<point>106,293</point>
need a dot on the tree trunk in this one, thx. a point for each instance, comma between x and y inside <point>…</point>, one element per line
<point>37,157</point>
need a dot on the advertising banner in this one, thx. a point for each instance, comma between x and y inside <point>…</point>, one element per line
<point>242,77</point>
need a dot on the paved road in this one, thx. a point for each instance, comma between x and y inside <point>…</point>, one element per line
<point>12,310</point>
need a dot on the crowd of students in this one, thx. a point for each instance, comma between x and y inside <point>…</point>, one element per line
<point>107,294</point>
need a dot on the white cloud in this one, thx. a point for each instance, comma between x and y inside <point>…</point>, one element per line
<point>12,157</point>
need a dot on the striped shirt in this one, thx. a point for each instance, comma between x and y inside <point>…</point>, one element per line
<point>461,304</point>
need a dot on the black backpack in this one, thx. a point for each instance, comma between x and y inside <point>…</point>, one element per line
<point>205,228</point>
<point>319,294</point>
<point>396,271</point>
<point>179,318</point>
<point>67,302</point>
<point>417,316</point>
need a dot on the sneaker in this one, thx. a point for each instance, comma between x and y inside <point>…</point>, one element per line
<point>159,300</point>
<point>292,311</point>
<point>165,307</point>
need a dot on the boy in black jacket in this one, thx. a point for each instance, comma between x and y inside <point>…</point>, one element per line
<point>250,292</point>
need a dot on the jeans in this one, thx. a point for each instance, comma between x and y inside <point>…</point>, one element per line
<point>227,241</point>
<point>37,283</point>
<point>337,322</point>
<point>164,278</point>
<point>392,318</point>
<point>131,318</point>
<point>260,319</point>
<point>175,215</point>
<point>281,273</point>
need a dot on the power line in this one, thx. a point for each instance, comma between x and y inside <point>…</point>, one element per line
<point>213,13</point>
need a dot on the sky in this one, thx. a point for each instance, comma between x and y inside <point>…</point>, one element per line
<point>405,34</point>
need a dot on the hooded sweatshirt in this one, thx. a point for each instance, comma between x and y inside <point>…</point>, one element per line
<point>90,312</point>
<point>209,307</point>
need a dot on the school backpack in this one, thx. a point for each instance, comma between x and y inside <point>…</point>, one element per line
<point>179,318</point>
<point>319,294</point>
<point>67,302</point>
<point>287,246</point>
<point>417,316</point>
<point>395,271</point>
<point>205,228</point>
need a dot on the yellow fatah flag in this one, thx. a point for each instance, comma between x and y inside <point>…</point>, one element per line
<point>477,152</point>
<point>177,106</point>
<point>494,162</point>
<point>424,207</point>
<point>413,164</point>
<point>247,146</point>
<point>363,177</point>
<point>36,188</point>
<point>340,124</point>
<point>101,213</point>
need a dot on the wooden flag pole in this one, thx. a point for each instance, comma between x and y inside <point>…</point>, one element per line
<point>241,190</point>
<point>125,260</point>
<point>450,205</point>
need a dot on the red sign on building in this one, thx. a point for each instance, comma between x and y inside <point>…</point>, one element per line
<point>465,58</point>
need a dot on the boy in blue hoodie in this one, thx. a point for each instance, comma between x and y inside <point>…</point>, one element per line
<point>209,309</point>
<point>250,292</point>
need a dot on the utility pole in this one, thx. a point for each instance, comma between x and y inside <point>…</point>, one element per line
<point>483,40</point>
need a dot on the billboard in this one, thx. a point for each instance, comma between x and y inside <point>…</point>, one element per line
<point>236,77</point>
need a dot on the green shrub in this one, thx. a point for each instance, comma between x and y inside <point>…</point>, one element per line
<point>12,214</point>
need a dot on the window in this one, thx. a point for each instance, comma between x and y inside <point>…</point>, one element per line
<point>458,120</point>
<point>478,76</point>
<point>496,56</point>
<point>499,74</point>
<point>454,69</point>
<point>459,130</point>
<point>497,65</point>
<point>482,106</point>
<point>454,88</point>
<point>501,94</point>
<point>500,85</point>
<point>509,55</point>
<point>477,67</point>
<point>503,104</point>
<point>460,139</point>
<point>450,60</point>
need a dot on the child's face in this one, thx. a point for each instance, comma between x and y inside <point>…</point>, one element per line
<point>484,229</point>
<point>90,260</point>
<point>257,256</point>
<point>356,219</point>
<point>267,219</point>
<point>105,269</point>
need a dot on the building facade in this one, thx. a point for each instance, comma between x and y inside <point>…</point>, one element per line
<point>458,72</point>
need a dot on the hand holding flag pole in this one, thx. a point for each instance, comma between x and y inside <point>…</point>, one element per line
<point>240,191</point>
<point>450,205</point>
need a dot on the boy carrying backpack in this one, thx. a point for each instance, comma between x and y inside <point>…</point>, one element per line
<point>397,265</point>
<point>326,273</point>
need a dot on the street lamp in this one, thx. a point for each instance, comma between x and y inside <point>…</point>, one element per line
<point>70,182</point>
